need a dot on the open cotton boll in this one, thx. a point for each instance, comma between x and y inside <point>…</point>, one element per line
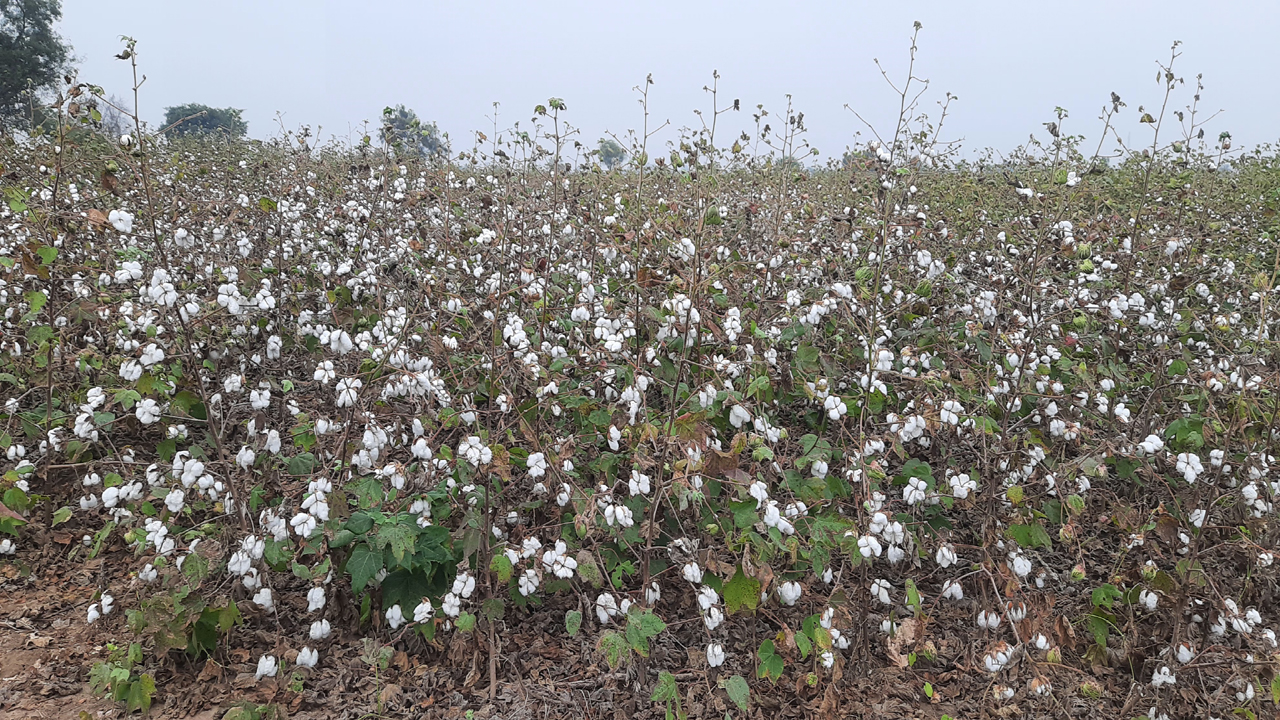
<point>266,667</point>
<point>789,592</point>
<point>308,657</point>
<point>715,655</point>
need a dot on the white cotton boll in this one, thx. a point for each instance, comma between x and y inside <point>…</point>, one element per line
<point>653,593</point>
<point>1020,564</point>
<point>147,411</point>
<point>1163,676</point>
<point>308,657</point>
<point>395,617</point>
<point>880,591</point>
<point>464,585</point>
<point>1015,611</point>
<point>245,457</point>
<point>707,597</point>
<point>1185,652</point>
<point>1041,642</point>
<point>173,501</point>
<point>715,655</point>
<point>914,492</point>
<point>997,658</point>
<point>93,614</point>
<point>348,390</point>
<point>638,484</point>
<point>869,546</point>
<point>952,590</point>
<point>988,620</point>
<point>260,399</point>
<point>713,618</point>
<point>692,573</point>
<point>537,464</point>
<point>315,599</point>
<point>266,667</point>
<point>606,607</point>
<point>320,630</point>
<point>739,416</point>
<point>962,485</point>
<point>760,492</point>
<point>946,556</point>
<point>264,599</point>
<point>1148,600</point>
<point>423,611</point>
<point>1151,445</point>
<point>789,592</point>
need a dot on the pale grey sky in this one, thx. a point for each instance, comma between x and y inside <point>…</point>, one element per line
<point>335,64</point>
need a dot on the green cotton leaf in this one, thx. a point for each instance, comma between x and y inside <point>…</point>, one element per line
<point>650,624</point>
<point>637,640</point>
<point>666,689</point>
<point>47,254</point>
<point>741,592</point>
<point>744,513</point>
<point>301,464</point>
<point>399,537</point>
<point>359,523</point>
<point>342,538</point>
<point>36,300</point>
<point>466,622</point>
<point>267,204</point>
<point>739,691</point>
<point>140,693</point>
<point>60,516</point>
<point>1029,536</point>
<point>615,648</point>
<point>573,622</point>
<point>600,418</point>
<point>501,564</point>
<point>1106,595</point>
<point>363,564</point>
<point>804,644</point>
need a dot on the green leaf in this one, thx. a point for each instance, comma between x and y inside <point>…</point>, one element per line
<point>359,523</point>
<point>466,622</point>
<point>501,564</point>
<point>650,624</point>
<point>600,418</point>
<point>738,691</point>
<point>141,692</point>
<point>804,644</point>
<point>398,536</point>
<point>666,689</point>
<point>573,622</point>
<point>60,516</point>
<point>47,254</point>
<point>741,592</point>
<point>36,300</point>
<point>301,464</point>
<point>770,663</point>
<point>362,566</point>
<point>1029,536</point>
<point>1106,595</point>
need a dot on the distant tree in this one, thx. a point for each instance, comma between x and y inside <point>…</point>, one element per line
<point>32,55</point>
<point>214,120</point>
<point>402,130</point>
<point>114,122</point>
<point>611,153</point>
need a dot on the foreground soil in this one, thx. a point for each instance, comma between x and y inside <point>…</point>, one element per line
<point>530,668</point>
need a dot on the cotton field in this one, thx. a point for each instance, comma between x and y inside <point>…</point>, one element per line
<point>1003,436</point>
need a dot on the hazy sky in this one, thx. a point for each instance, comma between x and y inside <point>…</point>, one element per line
<point>336,64</point>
